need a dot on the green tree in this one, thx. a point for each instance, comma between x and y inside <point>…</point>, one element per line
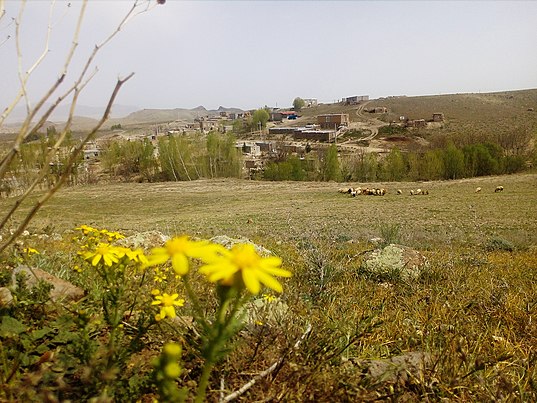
<point>223,158</point>
<point>453,162</point>
<point>414,161</point>
<point>330,168</point>
<point>394,166</point>
<point>259,119</point>
<point>298,104</point>
<point>432,166</point>
<point>127,159</point>
<point>177,158</point>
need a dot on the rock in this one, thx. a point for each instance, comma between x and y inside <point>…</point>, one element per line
<point>144,240</point>
<point>400,369</point>
<point>61,289</point>
<point>395,262</point>
<point>264,311</point>
<point>5,297</point>
<point>228,242</point>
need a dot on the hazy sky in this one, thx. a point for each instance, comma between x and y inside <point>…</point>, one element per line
<point>248,54</point>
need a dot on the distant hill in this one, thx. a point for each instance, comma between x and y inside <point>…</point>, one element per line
<point>465,114</point>
<point>61,113</point>
<point>169,115</point>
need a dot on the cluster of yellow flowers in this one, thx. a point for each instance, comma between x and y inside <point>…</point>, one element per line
<point>241,266</point>
<point>97,233</point>
<point>167,303</point>
<point>96,251</point>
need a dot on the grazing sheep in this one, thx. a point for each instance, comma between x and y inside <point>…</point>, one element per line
<point>411,192</point>
<point>418,191</point>
<point>498,189</point>
<point>353,193</point>
<point>478,190</point>
<point>425,192</point>
<point>399,192</point>
<point>382,191</point>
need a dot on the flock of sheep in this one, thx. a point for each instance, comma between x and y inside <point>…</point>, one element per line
<point>365,191</point>
<point>498,189</point>
<point>381,191</point>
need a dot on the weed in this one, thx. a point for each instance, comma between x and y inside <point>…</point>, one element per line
<point>390,233</point>
<point>497,244</point>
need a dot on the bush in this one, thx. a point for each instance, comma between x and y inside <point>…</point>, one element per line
<point>496,244</point>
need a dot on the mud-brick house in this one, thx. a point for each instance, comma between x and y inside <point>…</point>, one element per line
<point>309,102</point>
<point>315,135</point>
<point>356,99</point>
<point>333,120</point>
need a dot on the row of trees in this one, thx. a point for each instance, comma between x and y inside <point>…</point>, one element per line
<point>176,158</point>
<point>180,158</point>
<point>450,162</point>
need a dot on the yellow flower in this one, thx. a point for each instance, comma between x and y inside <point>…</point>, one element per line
<point>114,235</point>
<point>30,251</point>
<point>168,304</point>
<point>269,297</point>
<point>105,252</point>
<point>243,263</point>
<point>172,370</point>
<point>160,276</point>
<point>178,250</point>
<point>135,255</point>
<point>86,229</point>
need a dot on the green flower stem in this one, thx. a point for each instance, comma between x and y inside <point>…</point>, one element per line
<point>210,352</point>
<point>223,323</point>
<point>195,303</point>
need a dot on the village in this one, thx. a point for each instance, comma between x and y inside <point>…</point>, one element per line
<point>286,132</point>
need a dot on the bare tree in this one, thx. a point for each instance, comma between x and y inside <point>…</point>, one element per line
<point>56,94</point>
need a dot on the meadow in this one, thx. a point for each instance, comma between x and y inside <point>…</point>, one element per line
<point>469,317</point>
<point>451,214</point>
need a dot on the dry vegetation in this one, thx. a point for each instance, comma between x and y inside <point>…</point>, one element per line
<point>452,213</point>
<point>473,310</point>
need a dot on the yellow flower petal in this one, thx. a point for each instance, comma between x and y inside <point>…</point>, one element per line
<point>180,264</point>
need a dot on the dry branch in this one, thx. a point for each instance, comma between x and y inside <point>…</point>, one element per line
<point>266,372</point>
<point>69,166</point>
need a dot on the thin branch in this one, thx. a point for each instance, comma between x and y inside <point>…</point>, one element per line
<point>266,372</point>
<point>19,55</point>
<point>22,91</point>
<point>23,133</point>
<point>69,166</point>
<point>48,158</point>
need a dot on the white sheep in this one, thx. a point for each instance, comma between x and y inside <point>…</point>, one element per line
<point>478,190</point>
<point>399,192</point>
<point>418,191</point>
<point>498,189</point>
<point>411,192</point>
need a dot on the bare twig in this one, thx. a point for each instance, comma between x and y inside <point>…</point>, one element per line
<point>266,372</point>
<point>24,131</point>
<point>50,155</point>
<point>69,166</point>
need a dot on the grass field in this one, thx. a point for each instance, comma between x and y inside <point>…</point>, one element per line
<point>472,311</point>
<point>451,213</point>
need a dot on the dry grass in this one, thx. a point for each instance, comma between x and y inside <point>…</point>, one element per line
<point>451,213</point>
